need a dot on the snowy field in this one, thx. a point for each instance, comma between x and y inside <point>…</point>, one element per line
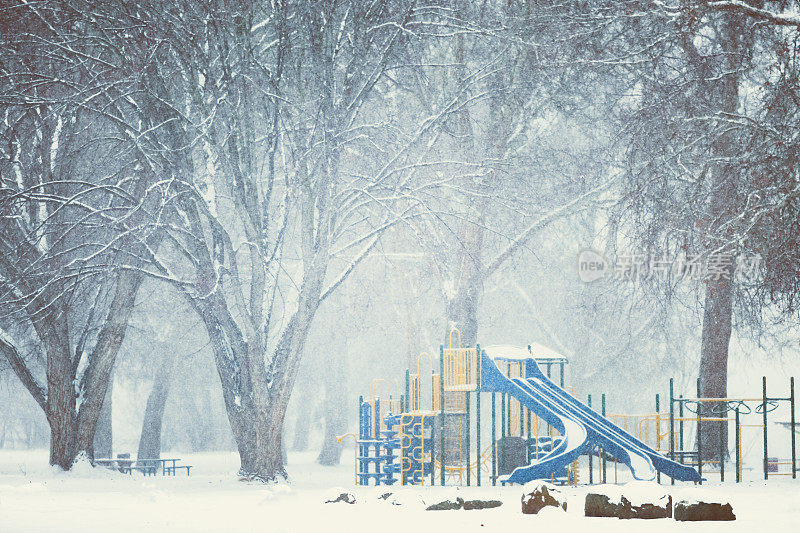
<point>35,498</point>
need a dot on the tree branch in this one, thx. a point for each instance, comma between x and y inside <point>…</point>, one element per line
<point>736,6</point>
<point>565,210</point>
<point>11,354</point>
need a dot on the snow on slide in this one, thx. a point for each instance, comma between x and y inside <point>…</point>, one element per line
<point>582,428</point>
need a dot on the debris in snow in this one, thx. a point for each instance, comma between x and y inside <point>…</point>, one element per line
<point>470,505</point>
<point>345,497</point>
<point>701,511</point>
<point>543,495</point>
<point>446,505</point>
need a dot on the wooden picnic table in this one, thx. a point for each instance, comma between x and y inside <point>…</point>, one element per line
<point>148,467</point>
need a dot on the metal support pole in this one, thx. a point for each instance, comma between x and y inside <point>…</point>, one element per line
<point>562,375</point>
<point>672,421</point>
<point>603,407</point>
<point>501,456</point>
<point>680,425</point>
<point>509,429</point>
<point>738,448</point>
<point>377,434</point>
<point>794,452</point>
<point>658,433</point>
<point>699,435</point>
<point>361,425</point>
<point>528,434</point>
<point>764,416</point>
<point>468,450</point>
<point>441,406</point>
<point>722,450</point>
<point>494,440</point>
<point>408,398</point>
<point>478,413</point>
<point>591,451</point>
<point>502,416</point>
<point>433,452</point>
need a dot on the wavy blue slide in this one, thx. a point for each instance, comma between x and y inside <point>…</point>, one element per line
<point>581,428</point>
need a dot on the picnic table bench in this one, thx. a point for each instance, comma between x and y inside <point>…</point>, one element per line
<point>148,467</point>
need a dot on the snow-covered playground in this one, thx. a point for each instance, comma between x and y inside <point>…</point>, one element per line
<point>38,498</point>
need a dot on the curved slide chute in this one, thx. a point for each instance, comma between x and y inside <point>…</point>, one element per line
<point>582,428</point>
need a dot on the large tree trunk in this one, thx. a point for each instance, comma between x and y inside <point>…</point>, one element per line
<point>718,307</point>
<point>96,379</point>
<point>150,439</point>
<point>61,402</point>
<point>302,429</point>
<point>714,365</point>
<point>335,409</point>
<point>462,311</point>
<point>103,445</point>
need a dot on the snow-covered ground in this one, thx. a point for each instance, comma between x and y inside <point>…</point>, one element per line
<point>36,498</point>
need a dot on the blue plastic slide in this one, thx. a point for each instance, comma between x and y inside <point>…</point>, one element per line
<point>582,429</point>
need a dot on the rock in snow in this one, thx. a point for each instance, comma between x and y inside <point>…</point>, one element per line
<point>542,496</point>
<point>701,511</point>
<point>470,505</point>
<point>446,505</point>
<point>345,497</point>
<point>600,505</point>
<point>603,506</point>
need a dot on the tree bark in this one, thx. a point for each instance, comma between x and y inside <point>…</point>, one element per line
<point>150,438</point>
<point>718,309</point>
<point>61,411</point>
<point>96,379</point>
<point>335,408</point>
<point>103,445</point>
<point>714,365</point>
<point>302,428</point>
